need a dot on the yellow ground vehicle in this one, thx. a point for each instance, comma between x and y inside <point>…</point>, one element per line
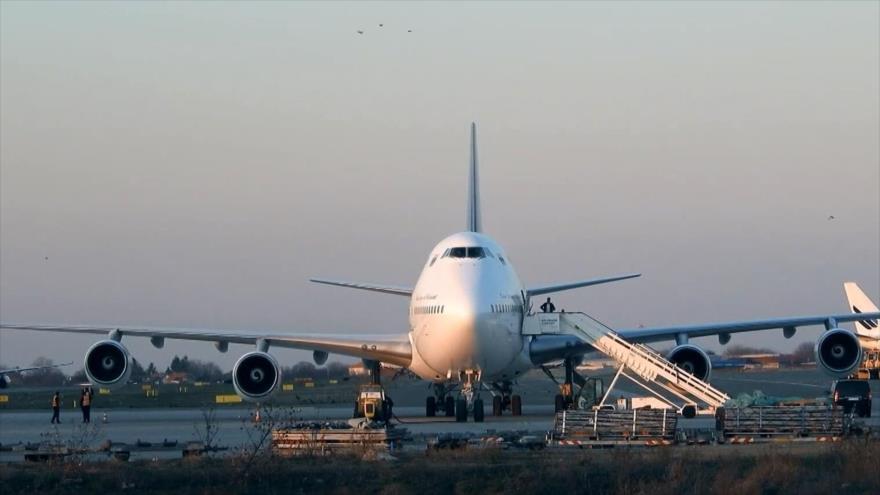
<point>373,404</point>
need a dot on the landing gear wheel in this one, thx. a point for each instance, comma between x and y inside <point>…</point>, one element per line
<point>478,411</point>
<point>496,406</point>
<point>430,407</point>
<point>450,407</point>
<point>516,405</point>
<point>461,412</point>
<point>559,403</point>
<point>357,411</point>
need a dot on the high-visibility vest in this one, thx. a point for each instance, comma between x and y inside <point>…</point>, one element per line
<point>87,399</point>
<point>55,401</point>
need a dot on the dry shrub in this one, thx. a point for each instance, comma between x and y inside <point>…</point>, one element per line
<point>396,488</point>
<point>775,473</point>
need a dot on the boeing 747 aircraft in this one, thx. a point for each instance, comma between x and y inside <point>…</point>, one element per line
<point>5,378</point>
<point>465,333</point>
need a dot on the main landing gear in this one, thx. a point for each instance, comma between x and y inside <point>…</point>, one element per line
<point>567,398</point>
<point>503,399</point>
<point>441,401</point>
<point>468,401</point>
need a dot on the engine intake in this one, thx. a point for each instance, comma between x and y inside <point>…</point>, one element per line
<point>839,352</point>
<point>108,363</point>
<point>256,375</point>
<point>691,359</point>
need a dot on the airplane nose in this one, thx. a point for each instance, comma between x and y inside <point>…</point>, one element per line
<point>462,327</point>
<point>450,342</point>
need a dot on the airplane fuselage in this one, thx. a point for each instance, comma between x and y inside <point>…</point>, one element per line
<point>466,312</point>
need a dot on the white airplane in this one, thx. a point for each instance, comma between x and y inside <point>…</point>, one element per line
<point>5,379</point>
<point>465,334</point>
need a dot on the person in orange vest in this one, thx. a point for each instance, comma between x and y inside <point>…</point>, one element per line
<point>86,404</point>
<point>56,408</point>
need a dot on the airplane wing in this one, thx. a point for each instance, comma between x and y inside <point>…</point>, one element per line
<point>387,289</point>
<point>33,368</point>
<point>645,335</point>
<point>547,289</point>
<point>385,348</point>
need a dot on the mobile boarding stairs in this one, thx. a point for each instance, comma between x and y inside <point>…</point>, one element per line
<point>637,362</point>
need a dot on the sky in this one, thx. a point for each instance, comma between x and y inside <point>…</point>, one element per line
<point>191,165</point>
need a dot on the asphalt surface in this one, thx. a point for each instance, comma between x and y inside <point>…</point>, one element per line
<point>235,427</point>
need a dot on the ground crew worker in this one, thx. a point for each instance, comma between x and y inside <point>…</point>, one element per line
<point>548,307</point>
<point>56,408</point>
<point>86,404</point>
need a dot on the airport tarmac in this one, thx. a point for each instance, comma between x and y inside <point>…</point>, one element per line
<point>235,425</point>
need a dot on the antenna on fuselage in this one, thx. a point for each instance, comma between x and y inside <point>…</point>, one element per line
<point>474,222</point>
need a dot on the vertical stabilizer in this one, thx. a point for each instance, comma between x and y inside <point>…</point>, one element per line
<point>859,302</point>
<point>475,224</point>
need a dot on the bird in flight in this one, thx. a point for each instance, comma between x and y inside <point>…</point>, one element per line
<point>360,32</point>
<point>830,217</point>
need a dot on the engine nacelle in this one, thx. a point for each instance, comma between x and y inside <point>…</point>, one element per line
<point>691,359</point>
<point>839,352</point>
<point>108,364</point>
<point>4,381</point>
<point>256,376</point>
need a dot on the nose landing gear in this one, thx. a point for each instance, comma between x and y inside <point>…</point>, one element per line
<point>460,407</point>
<point>469,396</point>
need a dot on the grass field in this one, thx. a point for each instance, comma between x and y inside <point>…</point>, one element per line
<point>843,468</point>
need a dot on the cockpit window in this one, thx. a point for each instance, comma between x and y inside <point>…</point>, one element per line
<point>458,252</point>
<point>467,252</point>
<point>476,252</point>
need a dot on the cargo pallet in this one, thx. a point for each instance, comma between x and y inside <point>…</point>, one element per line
<point>616,426</point>
<point>739,425</point>
<point>323,441</point>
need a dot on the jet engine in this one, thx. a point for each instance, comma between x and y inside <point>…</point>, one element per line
<point>108,363</point>
<point>4,381</point>
<point>691,359</point>
<point>839,352</point>
<point>256,376</point>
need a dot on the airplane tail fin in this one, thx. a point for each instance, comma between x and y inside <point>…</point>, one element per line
<point>473,212</point>
<point>859,302</point>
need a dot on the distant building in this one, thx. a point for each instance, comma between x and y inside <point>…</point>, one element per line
<point>734,362</point>
<point>175,377</point>
<point>769,361</point>
<point>358,370</point>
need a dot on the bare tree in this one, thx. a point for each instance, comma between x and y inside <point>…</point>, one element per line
<point>208,430</point>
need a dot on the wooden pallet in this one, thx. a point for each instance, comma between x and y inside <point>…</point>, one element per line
<point>320,441</point>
